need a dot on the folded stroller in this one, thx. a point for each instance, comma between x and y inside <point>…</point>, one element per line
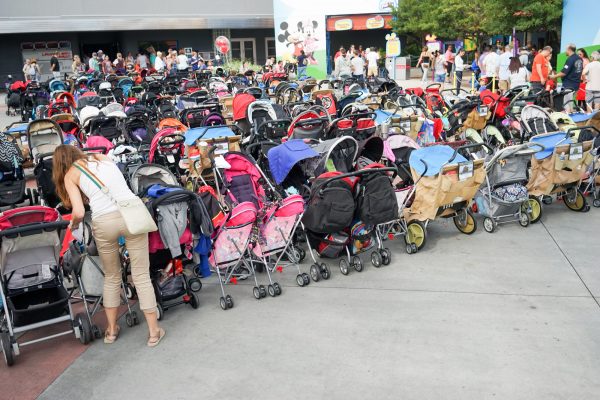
<point>503,197</point>
<point>446,182</point>
<point>31,281</point>
<point>559,169</point>
<point>44,136</point>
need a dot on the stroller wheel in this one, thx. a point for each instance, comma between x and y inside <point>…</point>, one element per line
<point>344,266</point>
<point>277,289</point>
<point>300,280</point>
<point>7,350</point>
<point>262,291</point>
<point>85,329</point>
<point>325,272</point>
<point>596,203</point>
<point>386,256</point>
<point>223,303</point>
<point>195,284</point>
<point>524,220</point>
<point>271,290</point>
<point>256,293</point>
<point>306,278</point>
<point>129,291</point>
<point>314,273</point>
<point>129,320</point>
<point>194,302</point>
<point>465,222</point>
<point>376,259</point>
<point>575,201</point>
<point>547,200</point>
<point>416,234</point>
<point>534,208</point>
<point>490,225</point>
<point>136,320</point>
<point>301,254</point>
<point>229,301</point>
<point>96,332</point>
<point>159,312</point>
<point>357,263</point>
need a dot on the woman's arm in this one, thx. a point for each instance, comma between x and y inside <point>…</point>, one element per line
<point>78,209</point>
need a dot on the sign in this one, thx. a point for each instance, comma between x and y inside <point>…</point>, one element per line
<point>343,24</point>
<point>392,45</point>
<point>386,5</point>
<point>376,22</point>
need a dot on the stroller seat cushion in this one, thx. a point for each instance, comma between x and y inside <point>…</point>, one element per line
<point>511,193</point>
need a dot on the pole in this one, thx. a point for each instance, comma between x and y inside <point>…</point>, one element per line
<point>514,38</point>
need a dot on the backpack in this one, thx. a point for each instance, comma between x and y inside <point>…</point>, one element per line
<point>330,209</point>
<point>377,202</point>
<point>530,58</point>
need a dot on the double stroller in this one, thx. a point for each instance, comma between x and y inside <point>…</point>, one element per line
<point>504,197</point>
<point>31,280</point>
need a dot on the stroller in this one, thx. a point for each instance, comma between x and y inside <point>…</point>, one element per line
<point>174,209</point>
<point>44,135</point>
<point>167,148</point>
<point>12,178</point>
<point>504,198</point>
<point>535,120</point>
<point>31,281</point>
<point>445,184</point>
<point>559,169</point>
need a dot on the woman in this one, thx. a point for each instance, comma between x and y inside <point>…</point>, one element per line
<point>159,62</point>
<point>107,67</point>
<point>74,188</point>
<point>582,85</point>
<point>77,67</point>
<point>424,60</point>
<point>519,75</point>
<point>28,71</point>
<point>119,64</point>
<point>592,90</point>
<point>449,61</point>
<point>439,68</point>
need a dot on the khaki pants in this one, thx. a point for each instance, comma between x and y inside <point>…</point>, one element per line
<point>107,229</point>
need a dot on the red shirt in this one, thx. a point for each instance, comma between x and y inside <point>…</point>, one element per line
<point>539,60</point>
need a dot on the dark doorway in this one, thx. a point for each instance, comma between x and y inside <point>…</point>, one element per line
<point>110,48</point>
<point>368,38</point>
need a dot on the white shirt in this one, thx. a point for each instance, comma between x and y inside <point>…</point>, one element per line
<point>372,58</point>
<point>182,62</point>
<point>159,64</point>
<point>358,66</point>
<point>459,65</point>
<point>519,78</point>
<point>109,174</point>
<point>524,58</point>
<point>491,62</point>
<point>592,71</point>
<point>142,61</point>
<point>504,62</point>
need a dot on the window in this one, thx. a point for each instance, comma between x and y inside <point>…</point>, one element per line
<point>270,48</point>
<point>243,49</point>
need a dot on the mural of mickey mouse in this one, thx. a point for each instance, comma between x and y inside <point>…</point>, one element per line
<point>303,38</point>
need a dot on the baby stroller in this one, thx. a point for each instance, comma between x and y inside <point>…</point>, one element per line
<point>179,216</point>
<point>12,179</point>
<point>31,281</point>
<point>534,121</point>
<point>559,169</point>
<point>446,182</point>
<point>167,148</point>
<point>13,98</point>
<point>44,135</point>
<point>504,198</point>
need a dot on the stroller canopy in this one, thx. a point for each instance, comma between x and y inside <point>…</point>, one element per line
<point>207,132</point>
<point>240,105</point>
<point>395,142</point>
<point>147,175</point>
<point>550,141</point>
<point>282,158</point>
<point>436,157</point>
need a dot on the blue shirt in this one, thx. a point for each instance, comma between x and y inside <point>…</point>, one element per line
<point>572,70</point>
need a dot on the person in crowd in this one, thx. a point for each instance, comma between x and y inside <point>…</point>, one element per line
<point>358,66</point>
<point>592,76</point>
<point>439,69</point>
<point>270,62</point>
<point>141,61</point>
<point>159,62</point>
<point>503,72</point>
<point>28,71</point>
<point>151,55</point>
<point>424,62</point>
<point>55,65</point>
<point>77,67</point>
<point>210,65</point>
<point>129,59</point>
<point>492,63</point>
<point>302,63</point>
<point>361,52</point>
<point>343,69</point>
<point>449,61</point>
<point>540,69</point>
<point>350,52</point>
<point>584,56</point>
<point>475,65</point>
<point>107,66</point>
<point>119,64</point>
<point>530,57</point>
<point>93,62</point>
<point>524,55</point>
<point>582,53</point>
<point>338,53</point>
<point>279,69</point>
<point>194,60</point>
<point>182,61</point>
<point>372,57</point>
<point>571,76</point>
<point>36,70</point>
<point>518,74</point>
<point>76,189</point>
<point>459,67</point>
<point>486,50</point>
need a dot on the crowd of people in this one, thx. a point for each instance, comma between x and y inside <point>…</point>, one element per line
<point>503,69</point>
<point>356,62</point>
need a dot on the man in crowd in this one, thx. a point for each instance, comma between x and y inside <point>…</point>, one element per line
<point>486,50</point>
<point>491,64</point>
<point>302,63</point>
<point>55,65</point>
<point>540,70</point>
<point>503,72</point>
<point>358,66</point>
<point>372,59</point>
<point>571,76</point>
<point>459,67</point>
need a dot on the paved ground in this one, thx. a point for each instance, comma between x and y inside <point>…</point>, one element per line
<point>509,315</point>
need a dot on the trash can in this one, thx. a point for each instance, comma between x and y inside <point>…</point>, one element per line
<point>402,68</point>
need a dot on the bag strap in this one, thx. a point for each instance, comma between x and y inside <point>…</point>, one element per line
<point>91,176</point>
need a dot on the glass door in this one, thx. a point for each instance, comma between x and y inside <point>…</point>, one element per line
<point>243,49</point>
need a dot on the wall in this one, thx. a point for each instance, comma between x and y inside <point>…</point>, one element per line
<point>580,25</point>
<point>302,26</point>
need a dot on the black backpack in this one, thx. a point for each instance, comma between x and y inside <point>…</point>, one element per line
<point>377,202</point>
<point>330,209</point>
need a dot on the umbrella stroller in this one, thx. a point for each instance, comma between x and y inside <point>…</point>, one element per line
<point>504,198</point>
<point>31,281</point>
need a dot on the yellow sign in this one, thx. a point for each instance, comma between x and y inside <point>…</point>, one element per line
<point>343,24</point>
<point>375,22</point>
<point>392,45</point>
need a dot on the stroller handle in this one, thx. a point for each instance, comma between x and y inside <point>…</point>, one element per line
<point>103,149</point>
<point>470,146</point>
<point>34,228</point>
<point>580,128</point>
<point>361,172</point>
<point>257,144</point>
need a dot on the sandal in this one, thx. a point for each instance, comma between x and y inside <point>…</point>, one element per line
<point>153,341</point>
<point>111,338</point>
